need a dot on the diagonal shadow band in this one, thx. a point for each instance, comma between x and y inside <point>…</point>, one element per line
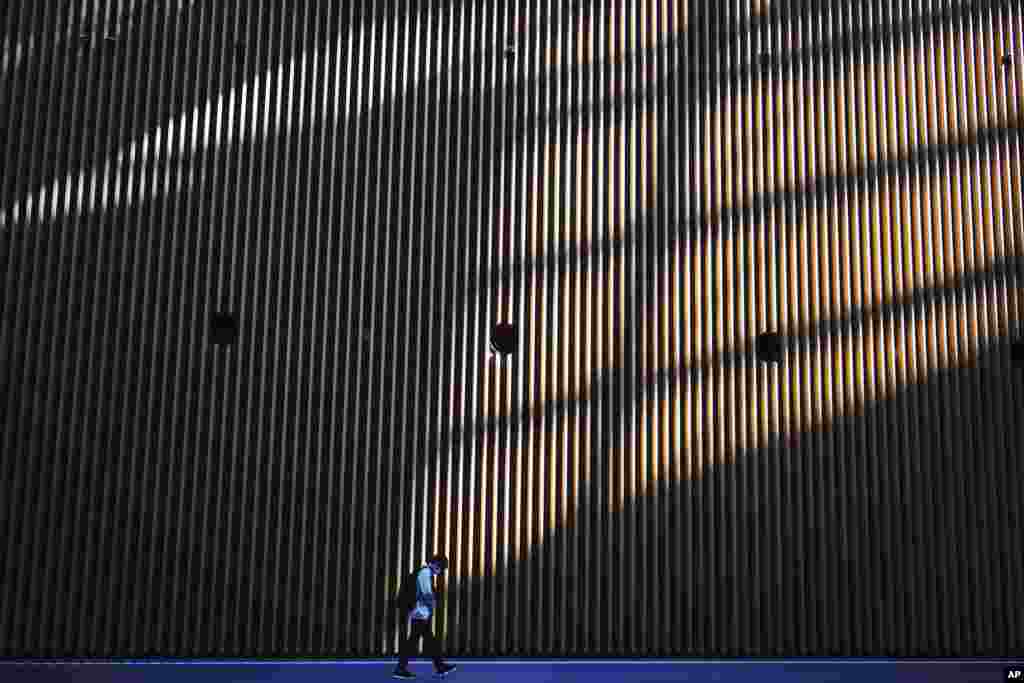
<point>863,42</point>
<point>1005,273</point>
<point>702,229</point>
<point>822,187</point>
<point>931,158</point>
<point>236,70</point>
<point>104,100</point>
<point>857,41</point>
<point>832,543</point>
<point>615,381</point>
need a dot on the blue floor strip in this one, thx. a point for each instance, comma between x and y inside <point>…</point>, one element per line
<point>519,670</point>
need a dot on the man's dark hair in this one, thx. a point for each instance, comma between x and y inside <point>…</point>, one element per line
<point>440,560</point>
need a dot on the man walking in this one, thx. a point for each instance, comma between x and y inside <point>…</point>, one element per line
<point>419,618</point>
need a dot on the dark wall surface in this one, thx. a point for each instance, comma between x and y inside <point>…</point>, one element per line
<point>641,189</point>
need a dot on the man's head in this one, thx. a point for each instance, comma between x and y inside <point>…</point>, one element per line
<point>438,564</point>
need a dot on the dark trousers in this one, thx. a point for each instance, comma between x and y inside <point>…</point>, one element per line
<point>431,645</point>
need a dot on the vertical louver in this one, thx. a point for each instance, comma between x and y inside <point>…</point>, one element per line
<point>760,264</point>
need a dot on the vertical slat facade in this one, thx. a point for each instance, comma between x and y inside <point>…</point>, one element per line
<point>641,188</point>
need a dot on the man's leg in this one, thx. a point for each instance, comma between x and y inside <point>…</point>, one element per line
<point>407,645</point>
<point>431,645</point>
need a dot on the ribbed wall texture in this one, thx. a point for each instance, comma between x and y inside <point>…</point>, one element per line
<point>642,187</point>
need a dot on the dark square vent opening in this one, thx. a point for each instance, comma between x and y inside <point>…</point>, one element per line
<point>224,329</point>
<point>1017,352</point>
<point>503,339</point>
<point>769,347</point>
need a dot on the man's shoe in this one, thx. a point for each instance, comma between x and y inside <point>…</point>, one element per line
<point>446,669</point>
<point>404,674</point>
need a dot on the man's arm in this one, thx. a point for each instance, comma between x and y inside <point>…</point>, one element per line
<point>426,591</point>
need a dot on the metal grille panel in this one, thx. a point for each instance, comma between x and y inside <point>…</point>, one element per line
<point>642,189</point>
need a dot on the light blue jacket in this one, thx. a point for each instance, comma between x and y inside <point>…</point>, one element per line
<point>424,595</point>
